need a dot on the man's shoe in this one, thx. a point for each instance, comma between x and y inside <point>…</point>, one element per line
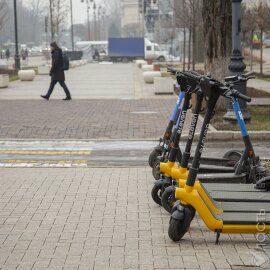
<point>67,98</point>
<point>45,97</point>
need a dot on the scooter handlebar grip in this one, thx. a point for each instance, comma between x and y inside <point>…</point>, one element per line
<point>248,74</point>
<point>242,96</point>
<point>192,76</point>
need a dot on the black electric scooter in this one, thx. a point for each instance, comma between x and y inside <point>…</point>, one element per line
<point>244,171</point>
<point>161,152</point>
<point>227,192</point>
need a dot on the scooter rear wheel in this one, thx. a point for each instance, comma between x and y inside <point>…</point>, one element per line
<point>154,155</point>
<point>233,155</point>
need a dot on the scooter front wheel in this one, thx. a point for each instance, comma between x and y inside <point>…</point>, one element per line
<point>156,194</point>
<point>156,169</point>
<point>154,155</point>
<point>176,229</point>
<point>168,200</point>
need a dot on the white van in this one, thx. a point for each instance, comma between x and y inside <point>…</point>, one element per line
<point>153,51</point>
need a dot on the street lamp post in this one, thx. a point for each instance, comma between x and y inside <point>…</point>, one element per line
<point>237,65</point>
<point>95,20</point>
<point>51,16</point>
<point>88,21</point>
<point>71,27</point>
<point>99,22</point>
<point>17,55</point>
<point>88,17</point>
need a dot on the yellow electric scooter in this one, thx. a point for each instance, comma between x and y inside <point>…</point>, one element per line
<point>192,199</point>
<point>248,170</point>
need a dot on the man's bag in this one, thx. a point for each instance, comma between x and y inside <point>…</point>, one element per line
<point>65,62</point>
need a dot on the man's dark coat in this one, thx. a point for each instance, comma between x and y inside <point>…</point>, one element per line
<point>57,71</point>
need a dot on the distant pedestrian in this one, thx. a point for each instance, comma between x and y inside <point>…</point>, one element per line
<point>7,54</point>
<point>57,72</point>
<point>23,54</point>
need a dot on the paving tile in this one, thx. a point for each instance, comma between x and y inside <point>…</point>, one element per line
<point>107,239</point>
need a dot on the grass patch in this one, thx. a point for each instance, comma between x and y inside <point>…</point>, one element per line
<point>260,120</point>
<point>256,93</point>
<point>13,78</point>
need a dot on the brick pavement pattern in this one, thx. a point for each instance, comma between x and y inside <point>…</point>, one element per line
<point>85,119</point>
<point>101,219</point>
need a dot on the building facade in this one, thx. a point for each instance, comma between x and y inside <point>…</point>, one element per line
<point>130,12</point>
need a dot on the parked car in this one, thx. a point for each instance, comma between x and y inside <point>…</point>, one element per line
<point>266,41</point>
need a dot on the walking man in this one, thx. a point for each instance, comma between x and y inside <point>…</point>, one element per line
<point>57,73</point>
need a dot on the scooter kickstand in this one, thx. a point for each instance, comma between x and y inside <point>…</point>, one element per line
<point>218,235</point>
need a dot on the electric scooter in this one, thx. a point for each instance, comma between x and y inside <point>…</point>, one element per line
<point>248,169</point>
<point>164,141</point>
<point>241,220</point>
<point>210,165</point>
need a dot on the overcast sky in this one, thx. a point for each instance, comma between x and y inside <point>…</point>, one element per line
<point>79,10</point>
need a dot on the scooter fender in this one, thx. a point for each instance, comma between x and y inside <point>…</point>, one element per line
<point>170,189</point>
<point>163,182</point>
<point>178,215</point>
<point>159,148</point>
<point>183,214</point>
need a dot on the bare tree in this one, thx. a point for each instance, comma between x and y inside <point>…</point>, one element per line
<point>263,22</point>
<point>188,15</point>
<point>195,7</point>
<point>36,9</point>
<point>249,25</point>
<point>60,10</point>
<point>217,22</point>
<point>3,13</point>
<point>131,30</point>
<point>113,16</point>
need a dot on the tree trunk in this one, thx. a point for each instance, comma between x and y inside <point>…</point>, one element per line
<point>193,35</point>
<point>251,50</point>
<point>189,44</point>
<point>184,50</point>
<point>261,47</point>
<point>217,23</point>
<point>184,47</point>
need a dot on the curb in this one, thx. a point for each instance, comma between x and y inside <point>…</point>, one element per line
<point>233,135</point>
<point>212,135</point>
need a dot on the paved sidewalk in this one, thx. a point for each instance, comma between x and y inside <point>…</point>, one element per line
<point>86,119</point>
<point>102,219</point>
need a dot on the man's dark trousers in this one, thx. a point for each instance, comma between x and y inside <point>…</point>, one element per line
<point>62,83</point>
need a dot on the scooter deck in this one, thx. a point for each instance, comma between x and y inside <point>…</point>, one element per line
<point>240,196</point>
<point>249,207</point>
<point>213,161</point>
<point>221,178</point>
<point>205,168</point>
<point>230,187</point>
<point>238,206</point>
<point>245,218</point>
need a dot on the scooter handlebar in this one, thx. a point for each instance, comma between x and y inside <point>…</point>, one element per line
<point>248,74</point>
<point>193,76</point>
<point>242,96</point>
